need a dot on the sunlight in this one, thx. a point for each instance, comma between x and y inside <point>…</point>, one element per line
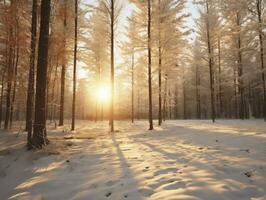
<point>103,94</point>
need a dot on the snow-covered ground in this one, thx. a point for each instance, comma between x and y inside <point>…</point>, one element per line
<point>182,160</point>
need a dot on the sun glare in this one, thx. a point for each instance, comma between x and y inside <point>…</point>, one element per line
<point>103,94</point>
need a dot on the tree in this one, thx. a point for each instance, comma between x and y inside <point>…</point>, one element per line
<point>39,137</point>
<point>208,25</point>
<point>75,67</point>
<point>63,70</point>
<point>149,66</point>
<point>257,9</point>
<point>31,79</point>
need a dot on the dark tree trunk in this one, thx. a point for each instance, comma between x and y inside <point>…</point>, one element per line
<point>10,72</point>
<point>240,71</point>
<point>165,96</point>
<point>111,121</point>
<point>39,137</point>
<point>149,66</point>
<point>198,101</point>
<point>176,101</point>
<point>2,95</point>
<point>160,70</point>
<point>15,83</point>
<point>213,113</point>
<point>132,88</point>
<point>63,73</point>
<point>75,68</point>
<point>221,108</point>
<point>31,80</point>
<point>184,101</point>
<point>53,105</point>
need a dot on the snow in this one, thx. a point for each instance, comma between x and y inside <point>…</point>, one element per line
<point>186,160</point>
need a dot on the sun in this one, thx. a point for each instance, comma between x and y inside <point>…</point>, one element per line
<point>103,94</point>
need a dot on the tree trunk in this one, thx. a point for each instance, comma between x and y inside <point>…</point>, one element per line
<point>15,82</point>
<point>39,137</point>
<point>184,101</point>
<point>198,102</point>
<point>111,122</point>
<point>2,96</point>
<point>235,94</point>
<point>63,73</point>
<point>132,88</point>
<point>220,79</point>
<point>149,66</point>
<point>240,71</point>
<point>213,114</point>
<point>10,72</point>
<point>31,80</point>
<point>165,96</point>
<point>75,68</point>
<point>160,69</point>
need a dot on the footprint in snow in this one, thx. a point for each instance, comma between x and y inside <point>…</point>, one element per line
<point>108,194</point>
<point>146,169</point>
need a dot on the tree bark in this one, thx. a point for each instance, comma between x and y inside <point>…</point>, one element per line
<point>240,71</point>
<point>10,70</point>
<point>2,96</point>
<point>132,87</point>
<point>111,121</point>
<point>31,80</point>
<point>213,113</point>
<point>39,137</point>
<point>63,73</point>
<point>15,82</point>
<point>149,66</point>
<point>198,93</point>
<point>75,68</point>
<point>220,79</point>
<point>160,69</point>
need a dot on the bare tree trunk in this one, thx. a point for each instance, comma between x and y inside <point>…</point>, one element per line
<point>236,94</point>
<point>176,101</point>
<point>184,101</point>
<point>53,106</point>
<point>10,71</point>
<point>138,103</point>
<point>160,69</point>
<point>240,71</point>
<point>165,96</point>
<point>2,96</point>
<point>63,73</point>
<point>213,113</point>
<point>39,137</point>
<point>198,93</point>
<point>15,82</point>
<point>132,88</point>
<point>220,78</point>
<point>111,120</point>
<point>31,80</point>
<point>75,68</point>
<point>62,95</point>
<point>149,66</point>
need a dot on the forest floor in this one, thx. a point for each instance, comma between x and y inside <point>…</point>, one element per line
<point>182,160</point>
